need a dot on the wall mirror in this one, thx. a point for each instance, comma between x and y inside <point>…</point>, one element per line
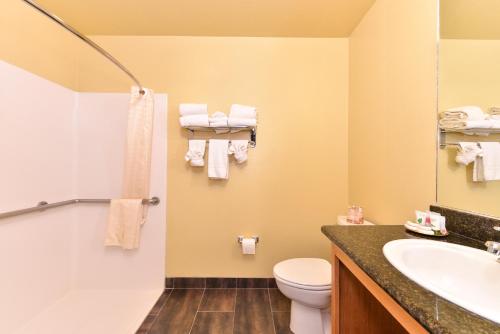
<point>469,82</point>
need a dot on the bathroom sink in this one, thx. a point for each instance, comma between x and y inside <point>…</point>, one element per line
<point>465,276</point>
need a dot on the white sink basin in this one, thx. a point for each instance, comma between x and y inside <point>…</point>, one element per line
<point>465,276</point>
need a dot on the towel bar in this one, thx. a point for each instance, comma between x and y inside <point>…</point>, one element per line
<point>253,131</point>
<point>42,206</point>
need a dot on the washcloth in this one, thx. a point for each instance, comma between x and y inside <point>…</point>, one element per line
<point>218,161</point>
<point>124,223</point>
<point>126,215</point>
<point>467,153</point>
<point>196,153</point>
<point>239,148</point>
<point>241,111</point>
<point>189,109</point>
<point>490,161</point>
<point>194,120</point>
<point>218,119</point>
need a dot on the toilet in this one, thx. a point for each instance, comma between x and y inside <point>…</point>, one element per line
<point>307,282</point>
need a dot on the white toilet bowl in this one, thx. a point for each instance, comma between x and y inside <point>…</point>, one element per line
<point>307,282</point>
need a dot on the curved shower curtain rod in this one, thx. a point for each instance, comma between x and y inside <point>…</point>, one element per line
<point>86,40</point>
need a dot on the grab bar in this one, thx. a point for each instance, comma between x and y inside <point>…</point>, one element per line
<point>42,206</point>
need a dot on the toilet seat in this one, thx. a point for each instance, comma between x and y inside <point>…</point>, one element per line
<point>305,273</point>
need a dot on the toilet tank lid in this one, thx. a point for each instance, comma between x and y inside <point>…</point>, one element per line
<point>305,271</point>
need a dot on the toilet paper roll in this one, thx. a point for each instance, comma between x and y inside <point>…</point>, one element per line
<point>248,246</point>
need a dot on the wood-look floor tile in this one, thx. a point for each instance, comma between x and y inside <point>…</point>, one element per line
<point>153,314</point>
<point>252,283</point>
<point>189,282</point>
<point>213,323</point>
<point>218,300</point>
<point>178,313</point>
<point>253,312</point>
<point>278,301</point>
<point>221,283</point>
<point>282,322</point>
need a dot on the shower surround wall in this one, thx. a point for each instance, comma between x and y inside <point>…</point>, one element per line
<point>58,277</point>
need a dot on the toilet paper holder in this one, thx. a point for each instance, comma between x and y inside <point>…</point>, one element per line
<point>255,237</point>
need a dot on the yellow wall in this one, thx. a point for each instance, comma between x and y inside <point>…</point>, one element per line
<point>469,75</point>
<point>294,181</point>
<point>31,41</point>
<point>392,110</point>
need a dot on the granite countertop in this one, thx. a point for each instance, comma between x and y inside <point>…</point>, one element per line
<point>364,245</point>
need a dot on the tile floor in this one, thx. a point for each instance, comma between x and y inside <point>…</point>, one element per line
<point>219,311</point>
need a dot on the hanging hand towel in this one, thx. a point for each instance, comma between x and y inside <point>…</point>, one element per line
<point>239,148</point>
<point>189,109</point>
<point>125,216</point>
<point>218,161</point>
<point>124,223</point>
<point>491,161</point>
<point>194,120</point>
<point>196,152</point>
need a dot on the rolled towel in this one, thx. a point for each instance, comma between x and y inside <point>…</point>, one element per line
<point>217,120</point>
<point>239,148</point>
<point>466,113</point>
<point>467,153</point>
<point>242,122</point>
<point>194,120</point>
<point>196,153</point>
<point>241,111</point>
<point>188,109</point>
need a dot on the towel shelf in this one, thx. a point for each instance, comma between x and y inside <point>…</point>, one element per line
<point>443,143</point>
<point>228,129</point>
<point>42,206</point>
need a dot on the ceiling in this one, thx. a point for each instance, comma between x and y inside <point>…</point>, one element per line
<point>470,19</point>
<point>280,18</point>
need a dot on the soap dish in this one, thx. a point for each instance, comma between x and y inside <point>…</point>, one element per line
<point>425,230</point>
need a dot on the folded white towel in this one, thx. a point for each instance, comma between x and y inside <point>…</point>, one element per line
<point>468,153</point>
<point>196,153</point>
<point>494,111</point>
<point>241,122</point>
<point>450,124</point>
<point>218,161</point>
<point>484,124</point>
<point>188,109</point>
<point>468,113</point>
<point>217,120</point>
<point>194,120</point>
<point>241,111</point>
<point>490,161</point>
<point>239,148</point>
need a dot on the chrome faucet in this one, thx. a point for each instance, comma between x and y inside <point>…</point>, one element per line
<point>494,247</point>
